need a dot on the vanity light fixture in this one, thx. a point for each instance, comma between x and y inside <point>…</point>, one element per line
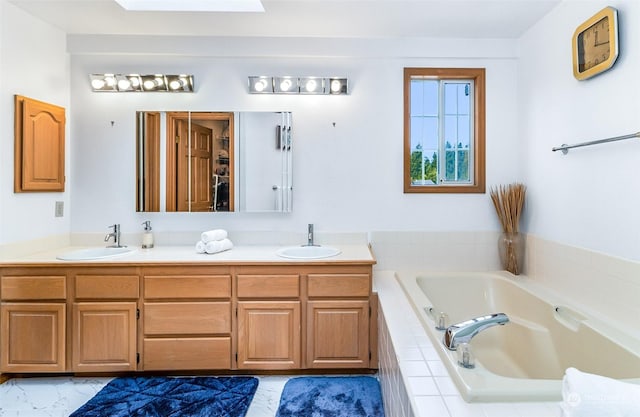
<point>174,83</point>
<point>297,85</point>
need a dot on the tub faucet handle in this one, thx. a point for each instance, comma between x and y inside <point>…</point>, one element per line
<point>465,331</point>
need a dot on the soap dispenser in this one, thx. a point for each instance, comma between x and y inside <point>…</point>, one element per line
<point>147,236</point>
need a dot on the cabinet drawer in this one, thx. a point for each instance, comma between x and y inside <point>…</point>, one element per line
<point>34,287</point>
<point>268,286</point>
<point>187,286</point>
<point>339,285</point>
<point>187,353</point>
<point>107,287</point>
<point>187,318</point>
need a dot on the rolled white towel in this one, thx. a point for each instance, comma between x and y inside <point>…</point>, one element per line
<point>218,246</point>
<point>201,247</point>
<point>215,234</point>
<point>589,395</point>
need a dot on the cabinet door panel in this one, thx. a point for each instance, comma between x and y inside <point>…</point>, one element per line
<point>104,336</point>
<point>269,335</point>
<point>39,146</point>
<point>338,334</point>
<point>32,337</point>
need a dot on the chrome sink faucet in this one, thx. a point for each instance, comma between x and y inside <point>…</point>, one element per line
<point>465,331</point>
<point>116,237</point>
<point>310,236</point>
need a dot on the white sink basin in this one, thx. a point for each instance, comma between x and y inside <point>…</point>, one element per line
<point>94,253</point>
<point>308,252</point>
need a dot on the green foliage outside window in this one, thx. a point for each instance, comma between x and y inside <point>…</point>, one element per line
<point>425,170</point>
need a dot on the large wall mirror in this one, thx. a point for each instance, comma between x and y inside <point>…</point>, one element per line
<point>213,161</point>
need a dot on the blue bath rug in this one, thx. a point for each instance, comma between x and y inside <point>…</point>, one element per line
<point>172,397</point>
<point>357,396</point>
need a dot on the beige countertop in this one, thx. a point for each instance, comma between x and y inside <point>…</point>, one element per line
<point>186,254</point>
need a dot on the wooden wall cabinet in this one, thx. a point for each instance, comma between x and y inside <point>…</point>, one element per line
<point>39,146</point>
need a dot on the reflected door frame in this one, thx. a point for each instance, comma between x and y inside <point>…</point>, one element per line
<point>174,121</point>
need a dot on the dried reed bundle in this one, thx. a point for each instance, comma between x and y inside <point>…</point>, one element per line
<point>508,201</point>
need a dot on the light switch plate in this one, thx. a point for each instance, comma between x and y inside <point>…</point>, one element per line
<point>59,208</point>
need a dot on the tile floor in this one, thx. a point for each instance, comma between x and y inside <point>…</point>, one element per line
<point>60,396</point>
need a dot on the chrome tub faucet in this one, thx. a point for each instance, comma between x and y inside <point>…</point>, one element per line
<point>465,331</point>
<point>116,237</point>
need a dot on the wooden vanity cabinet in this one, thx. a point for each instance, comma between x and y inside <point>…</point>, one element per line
<point>104,320</point>
<point>338,320</point>
<point>187,318</point>
<point>33,321</point>
<point>179,317</point>
<point>269,317</point>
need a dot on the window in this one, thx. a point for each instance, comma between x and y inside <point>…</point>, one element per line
<point>444,143</point>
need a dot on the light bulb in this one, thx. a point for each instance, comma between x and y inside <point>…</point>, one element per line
<point>135,82</point>
<point>311,85</point>
<point>159,81</point>
<point>336,85</point>
<point>97,84</point>
<point>260,85</point>
<point>110,80</point>
<point>285,85</point>
<point>175,84</point>
<point>124,84</point>
<point>149,84</point>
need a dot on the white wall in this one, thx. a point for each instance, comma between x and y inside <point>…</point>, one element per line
<point>346,178</point>
<point>34,63</point>
<point>589,198</point>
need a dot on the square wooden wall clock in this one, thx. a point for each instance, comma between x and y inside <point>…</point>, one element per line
<point>595,44</point>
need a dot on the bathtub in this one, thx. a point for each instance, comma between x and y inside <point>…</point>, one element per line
<point>525,359</point>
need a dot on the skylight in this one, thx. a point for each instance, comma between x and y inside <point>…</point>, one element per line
<point>192,5</point>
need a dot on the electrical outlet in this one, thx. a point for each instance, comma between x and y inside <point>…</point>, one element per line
<point>59,208</point>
